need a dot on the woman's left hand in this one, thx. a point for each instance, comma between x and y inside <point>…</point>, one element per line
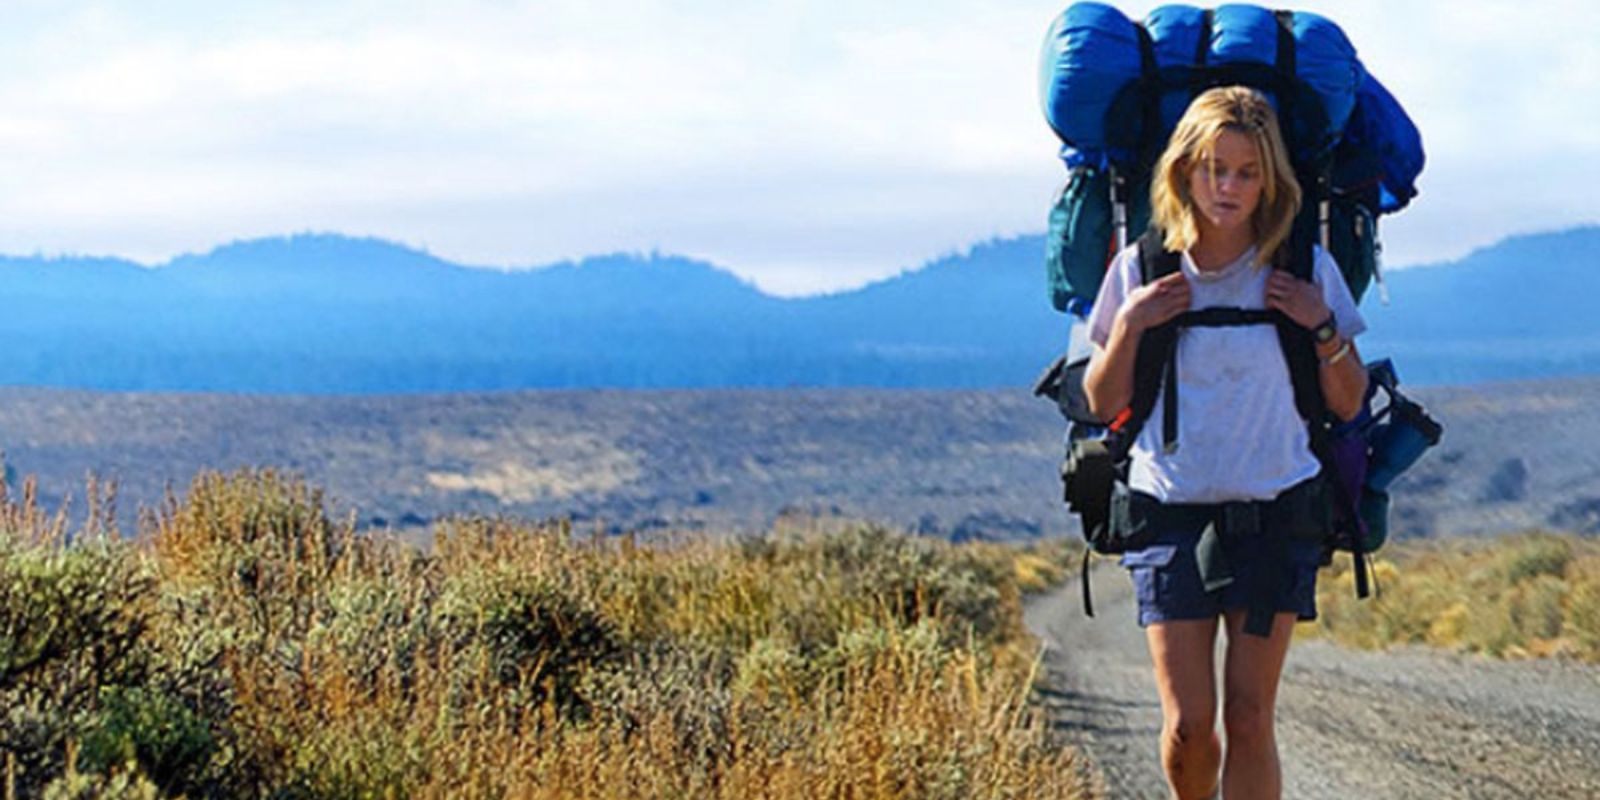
<point>1299,300</point>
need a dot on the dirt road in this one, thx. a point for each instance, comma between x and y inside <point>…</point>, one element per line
<point>1405,724</point>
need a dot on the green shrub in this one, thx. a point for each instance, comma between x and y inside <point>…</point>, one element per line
<point>373,624</point>
<point>253,551</point>
<point>1535,606</point>
<point>251,646</point>
<point>533,632</point>
<point>912,578</point>
<point>68,610</point>
<point>773,671</point>
<point>373,760</point>
<point>1517,596</point>
<point>72,620</point>
<point>123,784</point>
<point>1583,609</point>
<point>171,744</point>
<point>1529,557</point>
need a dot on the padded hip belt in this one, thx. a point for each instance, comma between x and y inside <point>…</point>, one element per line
<point>1301,512</point>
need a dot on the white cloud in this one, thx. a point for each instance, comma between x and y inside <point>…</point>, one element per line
<point>807,145</point>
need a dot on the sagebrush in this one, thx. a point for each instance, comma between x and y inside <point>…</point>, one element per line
<point>1535,594</point>
<point>246,643</point>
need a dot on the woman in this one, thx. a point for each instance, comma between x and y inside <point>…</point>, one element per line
<point>1225,197</point>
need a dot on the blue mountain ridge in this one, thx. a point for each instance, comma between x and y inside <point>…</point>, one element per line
<point>1521,308</point>
<point>325,313</point>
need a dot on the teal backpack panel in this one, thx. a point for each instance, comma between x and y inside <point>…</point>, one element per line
<point>1079,243</point>
<point>1353,242</point>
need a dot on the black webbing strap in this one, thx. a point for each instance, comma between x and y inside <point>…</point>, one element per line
<point>1358,557</point>
<point>1215,317</point>
<point>1169,406</point>
<point>1083,578</point>
<point>1299,352</point>
<point>1202,50</point>
<point>1228,317</point>
<point>1155,370</point>
<point>1157,346</point>
<point>1286,52</point>
<point>1147,52</point>
<point>1262,608</point>
<point>1287,67</point>
<point>1297,255</point>
<point>1149,88</point>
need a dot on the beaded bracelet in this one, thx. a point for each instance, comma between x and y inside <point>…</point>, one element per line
<point>1344,350</point>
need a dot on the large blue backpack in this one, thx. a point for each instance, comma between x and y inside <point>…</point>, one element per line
<point>1113,90</point>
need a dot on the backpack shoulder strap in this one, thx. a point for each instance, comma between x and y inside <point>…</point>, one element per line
<point>1297,257</point>
<point>1154,363</point>
<point>1156,347</point>
<point>1155,261</point>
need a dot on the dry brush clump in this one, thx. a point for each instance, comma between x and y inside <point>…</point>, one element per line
<point>1536,594</point>
<point>248,643</point>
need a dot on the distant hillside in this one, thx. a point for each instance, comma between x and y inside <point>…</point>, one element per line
<point>332,314</point>
<point>1521,309</point>
<point>959,464</point>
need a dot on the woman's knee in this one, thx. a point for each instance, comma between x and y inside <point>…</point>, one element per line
<point>1247,719</point>
<point>1189,730</point>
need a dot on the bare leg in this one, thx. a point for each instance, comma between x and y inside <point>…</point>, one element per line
<point>1187,680</point>
<point>1250,695</point>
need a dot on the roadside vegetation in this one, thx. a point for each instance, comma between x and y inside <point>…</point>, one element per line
<point>1531,595</point>
<point>245,643</point>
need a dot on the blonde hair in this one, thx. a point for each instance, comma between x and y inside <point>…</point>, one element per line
<point>1228,108</point>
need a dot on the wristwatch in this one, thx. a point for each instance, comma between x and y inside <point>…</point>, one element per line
<point>1324,333</point>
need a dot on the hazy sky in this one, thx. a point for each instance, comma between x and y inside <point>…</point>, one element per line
<point>804,145</point>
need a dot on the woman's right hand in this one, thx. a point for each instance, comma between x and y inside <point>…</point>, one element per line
<point>1152,305</point>
<point>1109,381</point>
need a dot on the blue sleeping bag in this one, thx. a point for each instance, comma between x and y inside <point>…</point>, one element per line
<point>1093,56</point>
<point>1113,90</point>
<point>1090,54</point>
<point>1378,125</point>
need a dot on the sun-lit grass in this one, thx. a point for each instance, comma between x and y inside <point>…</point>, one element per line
<point>245,643</point>
<point>1535,594</point>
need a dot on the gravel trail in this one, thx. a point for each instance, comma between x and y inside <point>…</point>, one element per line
<point>1410,723</point>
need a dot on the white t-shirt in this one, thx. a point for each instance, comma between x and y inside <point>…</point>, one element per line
<point>1239,436</point>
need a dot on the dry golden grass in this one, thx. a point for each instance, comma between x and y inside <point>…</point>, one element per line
<point>1531,595</point>
<point>247,644</point>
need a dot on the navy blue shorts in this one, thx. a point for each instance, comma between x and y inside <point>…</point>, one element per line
<point>1166,579</point>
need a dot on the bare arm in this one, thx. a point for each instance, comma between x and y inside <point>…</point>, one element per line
<point>1339,370</point>
<point>1344,382</point>
<point>1108,383</point>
